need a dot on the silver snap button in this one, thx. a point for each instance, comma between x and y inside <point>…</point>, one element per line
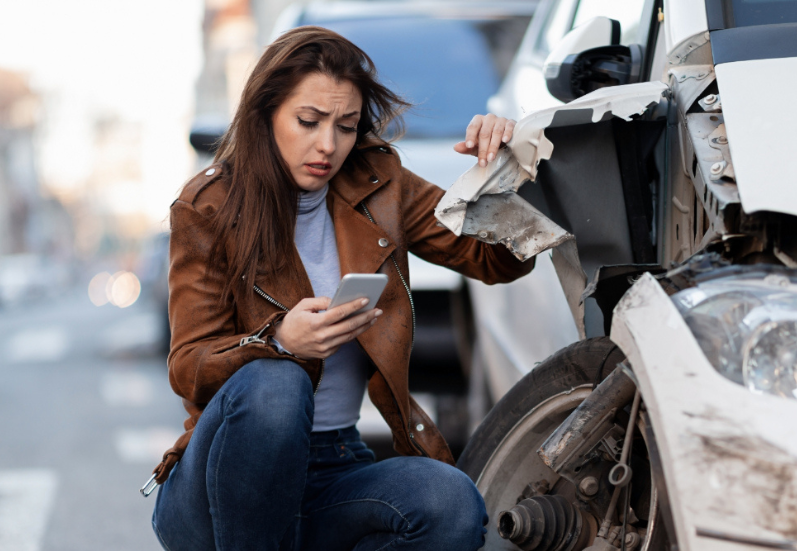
<point>210,172</point>
<point>373,180</point>
<point>383,242</point>
<point>419,427</point>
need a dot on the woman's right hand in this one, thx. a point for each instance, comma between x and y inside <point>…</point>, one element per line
<point>308,333</point>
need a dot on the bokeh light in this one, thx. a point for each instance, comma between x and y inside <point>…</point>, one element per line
<point>97,286</point>
<point>123,289</point>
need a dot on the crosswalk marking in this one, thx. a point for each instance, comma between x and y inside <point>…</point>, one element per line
<point>26,500</point>
<point>127,388</point>
<point>48,344</point>
<point>144,445</point>
<point>140,330</point>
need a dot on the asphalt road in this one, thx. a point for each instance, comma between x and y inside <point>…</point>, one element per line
<point>86,413</point>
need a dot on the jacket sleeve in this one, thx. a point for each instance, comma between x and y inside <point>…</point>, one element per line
<point>470,257</point>
<point>205,347</point>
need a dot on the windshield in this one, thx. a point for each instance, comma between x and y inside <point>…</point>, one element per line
<point>747,13</point>
<point>447,68</point>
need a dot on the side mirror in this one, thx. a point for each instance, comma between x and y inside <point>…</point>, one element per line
<point>590,57</point>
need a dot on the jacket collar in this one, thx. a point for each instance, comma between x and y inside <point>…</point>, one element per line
<point>353,186</point>
<point>357,238</point>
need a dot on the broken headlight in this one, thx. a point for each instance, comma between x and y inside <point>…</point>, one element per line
<point>747,329</point>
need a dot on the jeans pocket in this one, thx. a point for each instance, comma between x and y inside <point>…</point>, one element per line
<point>358,451</point>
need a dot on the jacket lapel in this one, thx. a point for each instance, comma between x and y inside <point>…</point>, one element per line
<point>358,239</point>
<point>359,249</point>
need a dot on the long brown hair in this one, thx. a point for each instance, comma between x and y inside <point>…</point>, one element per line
<point>255,225</point>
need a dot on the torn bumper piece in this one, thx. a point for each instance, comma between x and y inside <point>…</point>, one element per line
<point>483,203</point>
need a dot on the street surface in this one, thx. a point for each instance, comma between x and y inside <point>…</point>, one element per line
<point>88,412</point>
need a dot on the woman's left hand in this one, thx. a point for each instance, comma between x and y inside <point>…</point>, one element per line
<point>484,136</point>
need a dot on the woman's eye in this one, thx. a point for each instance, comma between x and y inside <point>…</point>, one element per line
<point>348,129</point>
<point>308,124</point>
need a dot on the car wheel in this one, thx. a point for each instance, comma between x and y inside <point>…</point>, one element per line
<point>501,456</point>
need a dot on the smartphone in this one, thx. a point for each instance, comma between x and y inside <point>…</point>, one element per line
<point>354,286</point>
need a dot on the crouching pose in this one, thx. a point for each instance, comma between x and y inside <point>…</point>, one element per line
<point>303,191</point>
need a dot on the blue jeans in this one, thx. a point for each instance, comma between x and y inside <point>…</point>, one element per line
<point>255,477</point>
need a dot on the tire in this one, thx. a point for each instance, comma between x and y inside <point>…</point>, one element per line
<point>501,456</point>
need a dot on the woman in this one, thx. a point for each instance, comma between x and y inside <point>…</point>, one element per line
<point>303,191</point>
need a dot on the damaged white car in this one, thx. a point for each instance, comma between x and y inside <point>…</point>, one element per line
<point>663,194</point>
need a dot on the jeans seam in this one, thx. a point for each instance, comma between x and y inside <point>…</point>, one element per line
<point>223,428</point>
<point>389,544</point>
<point>160,537</point>
<point>370,500</point>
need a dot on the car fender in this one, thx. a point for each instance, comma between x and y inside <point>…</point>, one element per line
<point>729,457</point>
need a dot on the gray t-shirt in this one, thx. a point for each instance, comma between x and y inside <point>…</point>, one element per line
<point>340,396</point>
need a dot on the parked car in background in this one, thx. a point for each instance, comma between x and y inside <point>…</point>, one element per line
<point>447,58</point>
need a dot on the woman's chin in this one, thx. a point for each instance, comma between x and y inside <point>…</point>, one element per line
<point>312,184</point>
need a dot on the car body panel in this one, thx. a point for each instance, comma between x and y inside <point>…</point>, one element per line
<point>683,20</point>
<point>728,467</point>
<point>760,143</point>
<point>469,207</point>
<point>499,325</point>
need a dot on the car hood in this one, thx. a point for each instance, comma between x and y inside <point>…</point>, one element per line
<point>760,123</point>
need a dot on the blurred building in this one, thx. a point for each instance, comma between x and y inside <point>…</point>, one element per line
<point>29,223</point>
<point>229,35</point>
<point>234,35</point>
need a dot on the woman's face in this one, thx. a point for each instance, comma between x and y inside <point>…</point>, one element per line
<point>316,127</point>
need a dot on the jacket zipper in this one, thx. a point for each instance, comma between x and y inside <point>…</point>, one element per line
<point>401,277</point>
<point>256,338</point>
<point>412,308</point>
<point>263,294</point>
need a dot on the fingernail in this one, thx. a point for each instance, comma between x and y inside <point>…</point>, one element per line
<point>469,144</point>
<point>364,301</point>
<point>482,162</point>
<point>373,321</point>
<point>490,157</point>
<point>505,139</point>
<point>378,313</point>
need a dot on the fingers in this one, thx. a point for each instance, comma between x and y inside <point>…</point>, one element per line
<point>461,147</point>
<point>310,334</point>
<point>314,304</point>
<point>472,135</point>
<point>340,340</point>
<point>343,311</point>
<point>509,131</point>
<point>484,136</point>
<point>351,324</point>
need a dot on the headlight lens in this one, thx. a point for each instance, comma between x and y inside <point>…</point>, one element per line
<point>747,329</point>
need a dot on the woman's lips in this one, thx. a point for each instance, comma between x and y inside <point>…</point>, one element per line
<point>319,169</point>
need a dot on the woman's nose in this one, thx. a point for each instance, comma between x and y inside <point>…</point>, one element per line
<point>326,141</point>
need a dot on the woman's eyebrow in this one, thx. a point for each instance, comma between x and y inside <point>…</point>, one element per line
<point>325,114</point>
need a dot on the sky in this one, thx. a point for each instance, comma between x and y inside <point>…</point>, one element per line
<point>135,61</point>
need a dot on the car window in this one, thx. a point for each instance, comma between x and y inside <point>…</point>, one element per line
<point>447,68</point>
<point>627,12</point>
<point>558,25</point>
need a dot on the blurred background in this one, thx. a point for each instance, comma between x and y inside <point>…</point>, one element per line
<point>106,109</point>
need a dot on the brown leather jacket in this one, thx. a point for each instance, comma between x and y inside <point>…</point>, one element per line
<point>210,342</point>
